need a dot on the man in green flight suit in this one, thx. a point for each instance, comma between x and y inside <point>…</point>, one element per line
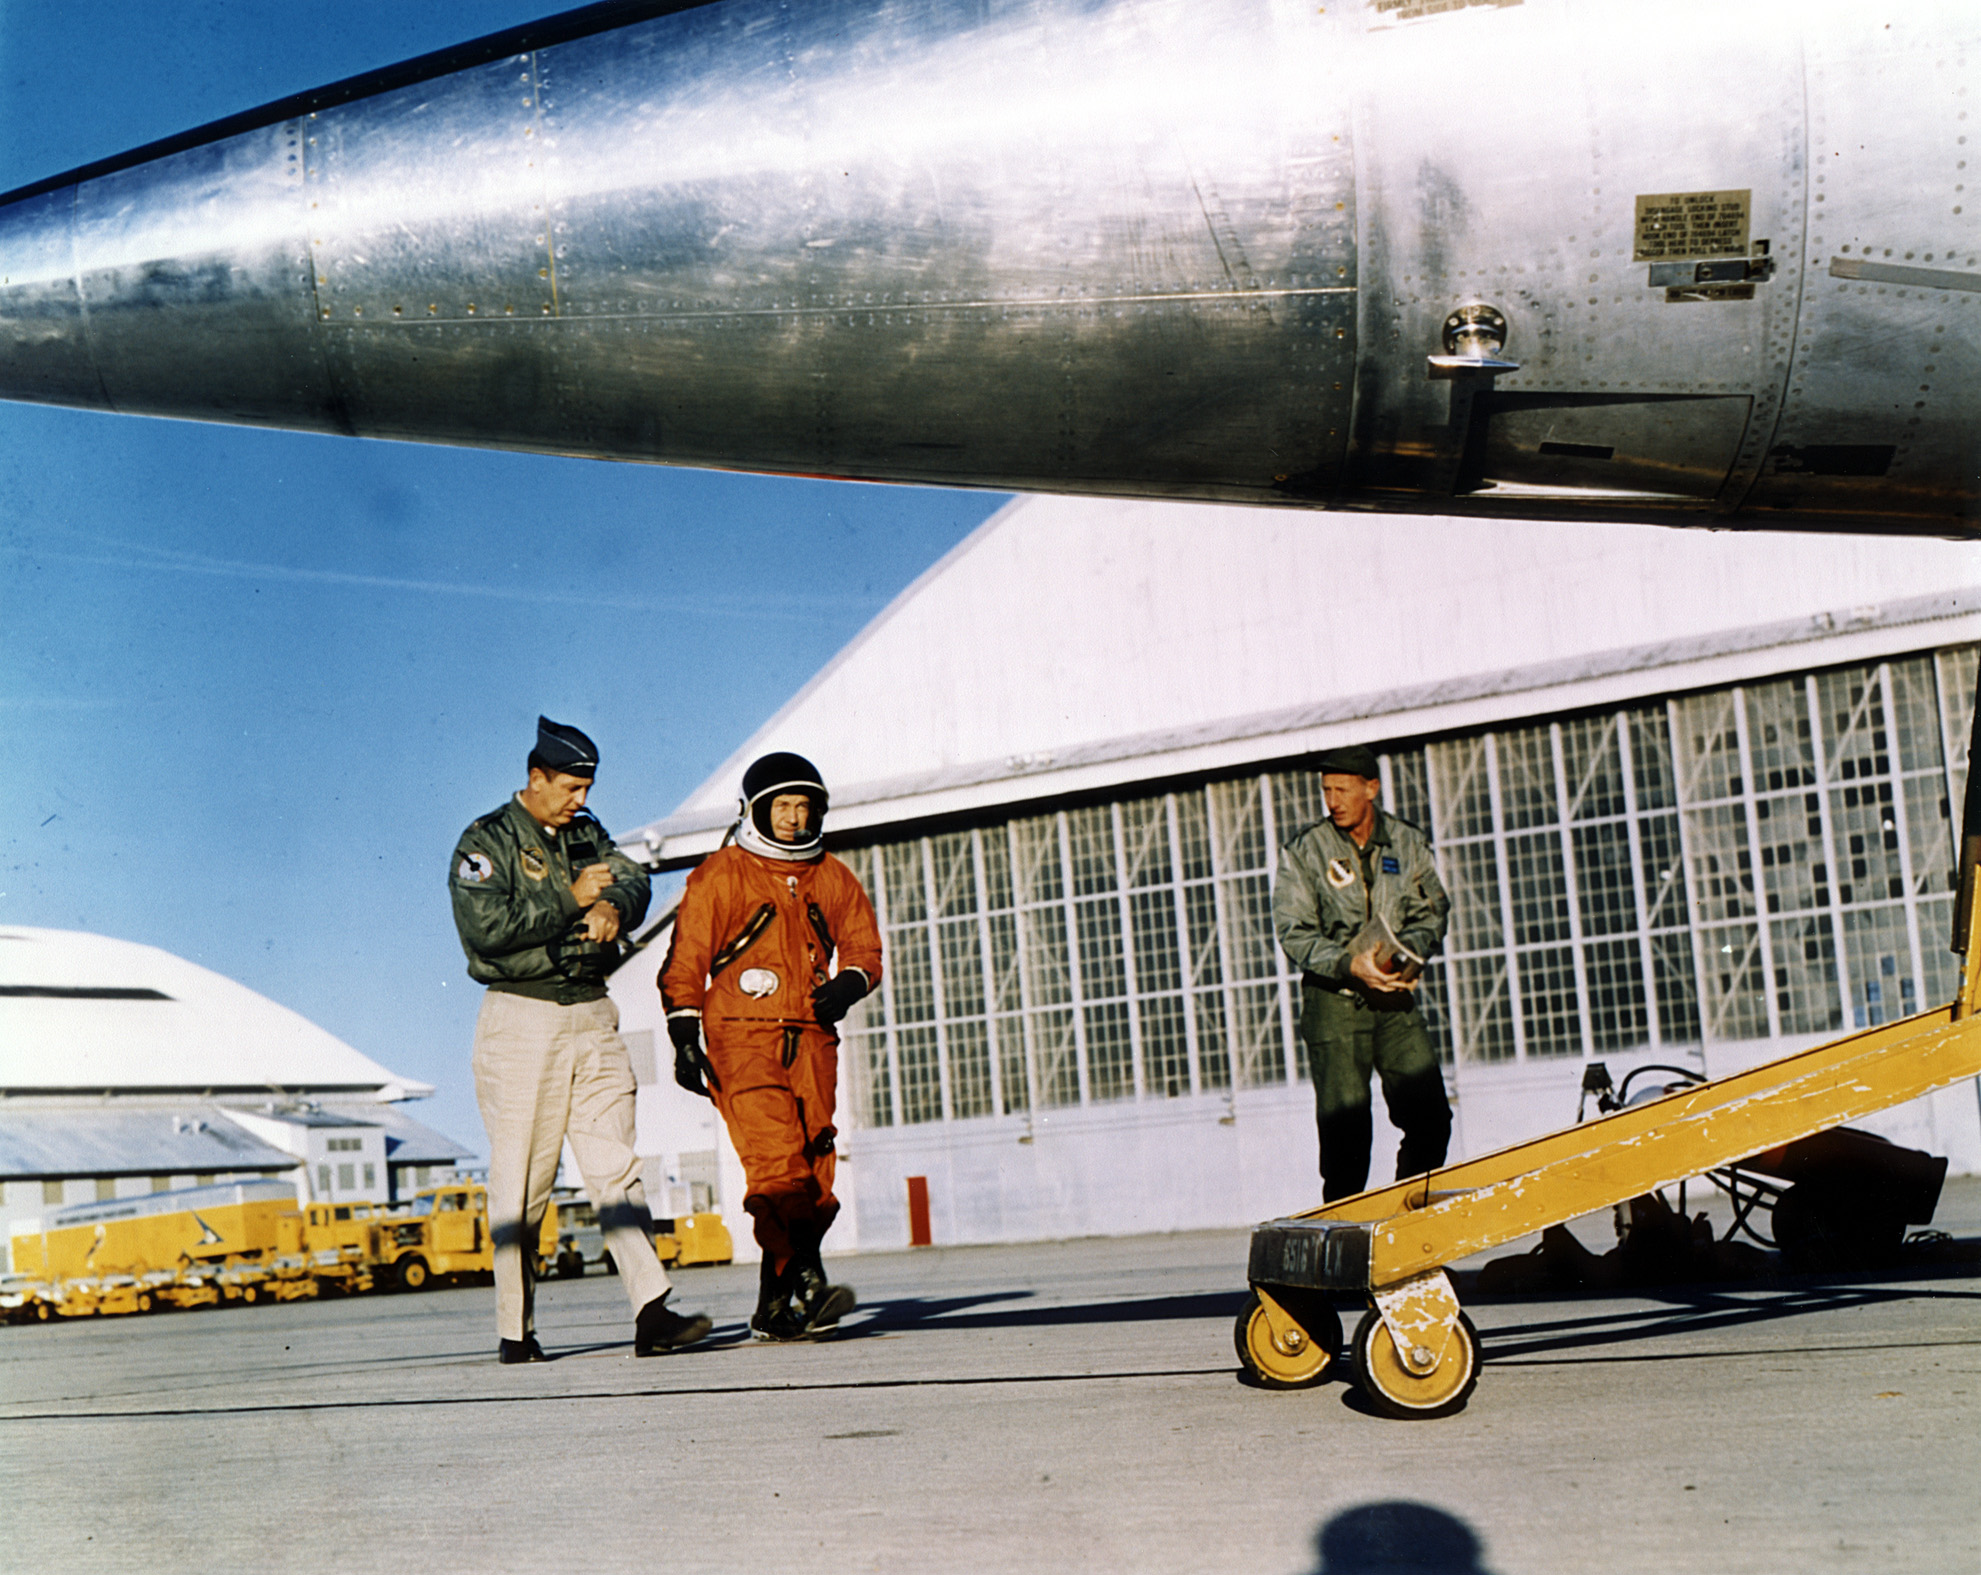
<point>541,897</point>
<point>1340,882</point>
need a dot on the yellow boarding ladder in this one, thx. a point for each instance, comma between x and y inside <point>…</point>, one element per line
<point>1416,1354</point>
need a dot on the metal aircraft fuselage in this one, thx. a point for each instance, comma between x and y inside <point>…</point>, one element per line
<point>1653,259</point>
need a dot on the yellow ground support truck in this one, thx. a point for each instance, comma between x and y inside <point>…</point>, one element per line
<point>158,1230</point>
<point>444,1231</point>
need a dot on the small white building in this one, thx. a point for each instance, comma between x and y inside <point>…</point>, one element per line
<point>1692,793</point>
<point>127,1071</point>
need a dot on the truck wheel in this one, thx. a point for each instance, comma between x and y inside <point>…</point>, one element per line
<point>413,1274</point>
<point>250,1294</point>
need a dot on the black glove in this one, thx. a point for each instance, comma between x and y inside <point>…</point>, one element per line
<point>838,996</point>
<point>691,1068</point>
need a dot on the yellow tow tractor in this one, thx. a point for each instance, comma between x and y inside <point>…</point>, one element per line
<point>330,1240</point>
<point>445,1232</point>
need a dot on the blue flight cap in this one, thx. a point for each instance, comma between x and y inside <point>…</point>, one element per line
<point>565,749</point>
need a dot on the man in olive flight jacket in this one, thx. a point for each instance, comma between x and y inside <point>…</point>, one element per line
<point>541,898</point>
<point>1358,1004</point>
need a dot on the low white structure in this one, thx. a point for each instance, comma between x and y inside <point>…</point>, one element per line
<point>125,1070</point>
<point>1692,793</point>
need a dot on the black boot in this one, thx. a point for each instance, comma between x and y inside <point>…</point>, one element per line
<point>775,1319</point>
<point>817,1302</point>
<point>659,1329</point>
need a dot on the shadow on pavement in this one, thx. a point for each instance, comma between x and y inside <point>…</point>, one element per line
<point>1396,1537</point>
<point>1697,1310</point>
<point>983,1312</point>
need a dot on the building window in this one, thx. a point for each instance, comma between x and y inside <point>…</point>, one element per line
<point>323,1180</point>
<point>51,1193</point>
<point>346,1177</point>
<point>106,1189</point>
<point>371,1177</point>
<point>1752,862</point>
<point>161,1183</point>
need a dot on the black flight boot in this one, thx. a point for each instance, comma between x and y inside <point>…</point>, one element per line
<point>818,1303</point>
<point>510,1352</point>
<point>659,1329</point>
<point>775,1318</point>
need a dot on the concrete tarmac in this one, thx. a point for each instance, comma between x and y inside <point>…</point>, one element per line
<point>1073,1406</point>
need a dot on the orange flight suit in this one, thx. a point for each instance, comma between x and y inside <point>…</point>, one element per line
<point>752,938</point>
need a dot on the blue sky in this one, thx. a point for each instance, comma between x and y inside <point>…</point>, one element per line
<point>253,684</point>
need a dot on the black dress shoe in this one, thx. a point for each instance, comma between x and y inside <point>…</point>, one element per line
<point>658,1330</point>
<point>524,1350</point>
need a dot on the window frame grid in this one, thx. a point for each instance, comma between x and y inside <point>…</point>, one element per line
<point>1626,754</point>
<point>1751,816</point>
<point>1617,737</point>
<point>1572,886</point>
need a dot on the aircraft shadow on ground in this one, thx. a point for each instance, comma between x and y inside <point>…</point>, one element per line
<point>1397,1537</point>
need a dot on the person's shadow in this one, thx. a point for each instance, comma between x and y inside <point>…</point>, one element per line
<point>1397,1538</point>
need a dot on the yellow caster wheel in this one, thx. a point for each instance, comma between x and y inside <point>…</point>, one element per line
<point>1296,1358</point>
<point>1397,1389</point>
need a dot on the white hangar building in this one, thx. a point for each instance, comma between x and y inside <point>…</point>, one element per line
<point>1692,794</point>
<point>125,1070</point>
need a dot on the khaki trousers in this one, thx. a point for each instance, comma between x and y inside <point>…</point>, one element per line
<point>544,1072</point>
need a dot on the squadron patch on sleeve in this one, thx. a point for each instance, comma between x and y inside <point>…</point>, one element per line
<point>1340,873</point>
<point>534,864</point>
<point>473,869</point>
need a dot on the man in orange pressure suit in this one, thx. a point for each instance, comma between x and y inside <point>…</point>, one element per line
<point>775,941</point>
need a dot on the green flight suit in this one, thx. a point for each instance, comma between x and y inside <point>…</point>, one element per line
<point>1327,889</point>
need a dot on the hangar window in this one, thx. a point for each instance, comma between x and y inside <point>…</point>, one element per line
<point>1748,862</point>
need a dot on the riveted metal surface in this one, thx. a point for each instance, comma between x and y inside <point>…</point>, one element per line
<point>193,283</point>
<point>42,346</point>
<point>1132,247</point>
<point>1519,188</point>
<point>1885,403</point>
<point>807,239</point>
